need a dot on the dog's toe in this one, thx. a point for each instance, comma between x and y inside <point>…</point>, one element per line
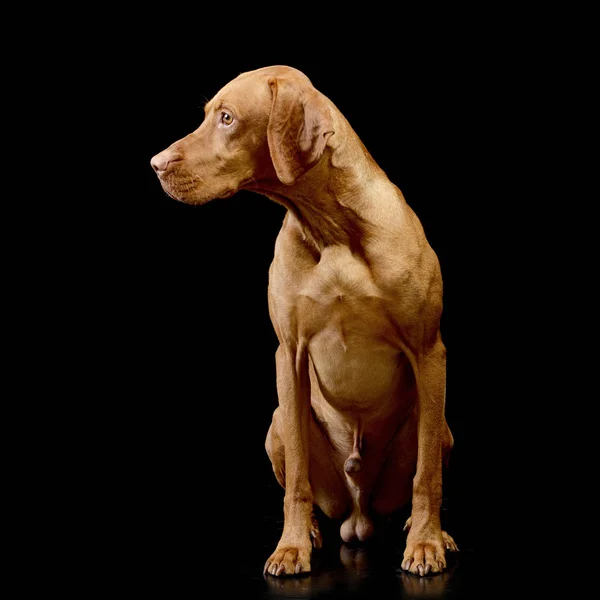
<point>449,542</point>
<point>288,561</point>
<point>315,533</point>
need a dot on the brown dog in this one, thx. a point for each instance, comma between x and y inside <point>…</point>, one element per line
<point>355,297</point>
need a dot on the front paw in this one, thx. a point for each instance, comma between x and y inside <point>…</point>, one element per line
<point>422,557</point>
<point>288,561</point>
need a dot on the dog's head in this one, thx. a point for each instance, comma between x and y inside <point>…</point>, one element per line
<point>268,124</point>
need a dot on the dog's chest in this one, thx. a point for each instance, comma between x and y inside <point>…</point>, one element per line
<point>351,339</point>
<point>338,277</point>
<point>340,305</point>
<point>340,282</point>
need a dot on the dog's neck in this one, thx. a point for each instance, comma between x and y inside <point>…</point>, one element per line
<point>323,219</point>
<point>332,202</point>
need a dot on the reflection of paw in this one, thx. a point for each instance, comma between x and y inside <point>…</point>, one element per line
<point>292,587</point>
<point>425,587</point>
<point>288,561</point>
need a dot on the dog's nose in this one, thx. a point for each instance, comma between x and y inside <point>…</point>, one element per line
<point>163,162</point>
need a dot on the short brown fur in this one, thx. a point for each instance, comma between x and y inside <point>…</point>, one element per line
<point>355,297</point>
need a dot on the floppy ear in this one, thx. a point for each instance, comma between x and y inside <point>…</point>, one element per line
<point>299,125</point>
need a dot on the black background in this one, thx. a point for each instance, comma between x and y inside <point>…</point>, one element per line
<point>176,311</point>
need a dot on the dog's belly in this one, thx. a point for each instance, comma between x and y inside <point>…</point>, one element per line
<point>355,364</point>
<point>357,361</point>
<point>354,372</point>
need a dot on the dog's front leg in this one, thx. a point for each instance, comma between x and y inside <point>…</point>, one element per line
<point>292,555</point>
<point>425,551</point>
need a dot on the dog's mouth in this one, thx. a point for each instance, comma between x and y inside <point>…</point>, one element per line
<point>193,189</point>
<point>183,188</point>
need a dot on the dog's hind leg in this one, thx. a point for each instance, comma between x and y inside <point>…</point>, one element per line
<point>329,491</point>
<point>394,486</point>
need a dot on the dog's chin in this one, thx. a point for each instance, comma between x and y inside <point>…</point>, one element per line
<point>195,195</point>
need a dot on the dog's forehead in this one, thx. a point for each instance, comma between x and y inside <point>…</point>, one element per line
<point>274,71</point>
<point>244,88</point>
<point>252,87</point>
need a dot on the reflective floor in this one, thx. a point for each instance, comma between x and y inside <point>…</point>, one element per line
<point>370,570</point>
<point>190,520</point>
<point>216,557</point>
<point>367,571</point>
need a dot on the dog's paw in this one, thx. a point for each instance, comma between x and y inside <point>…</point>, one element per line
<point>423,557</point>
<point>449,542</point>
<point>288,561</point>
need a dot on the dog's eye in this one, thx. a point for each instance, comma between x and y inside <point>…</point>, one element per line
<point>226,118</point>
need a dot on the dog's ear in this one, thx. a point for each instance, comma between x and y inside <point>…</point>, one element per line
<point>299,126</point>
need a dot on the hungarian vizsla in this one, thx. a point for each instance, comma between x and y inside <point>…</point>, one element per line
<point>355,297</point>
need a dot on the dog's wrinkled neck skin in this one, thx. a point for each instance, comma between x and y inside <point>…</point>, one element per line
<point>332,203</point>
<point>320,214</point>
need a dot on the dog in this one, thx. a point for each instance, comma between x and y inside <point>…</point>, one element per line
<point>355,298</point>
